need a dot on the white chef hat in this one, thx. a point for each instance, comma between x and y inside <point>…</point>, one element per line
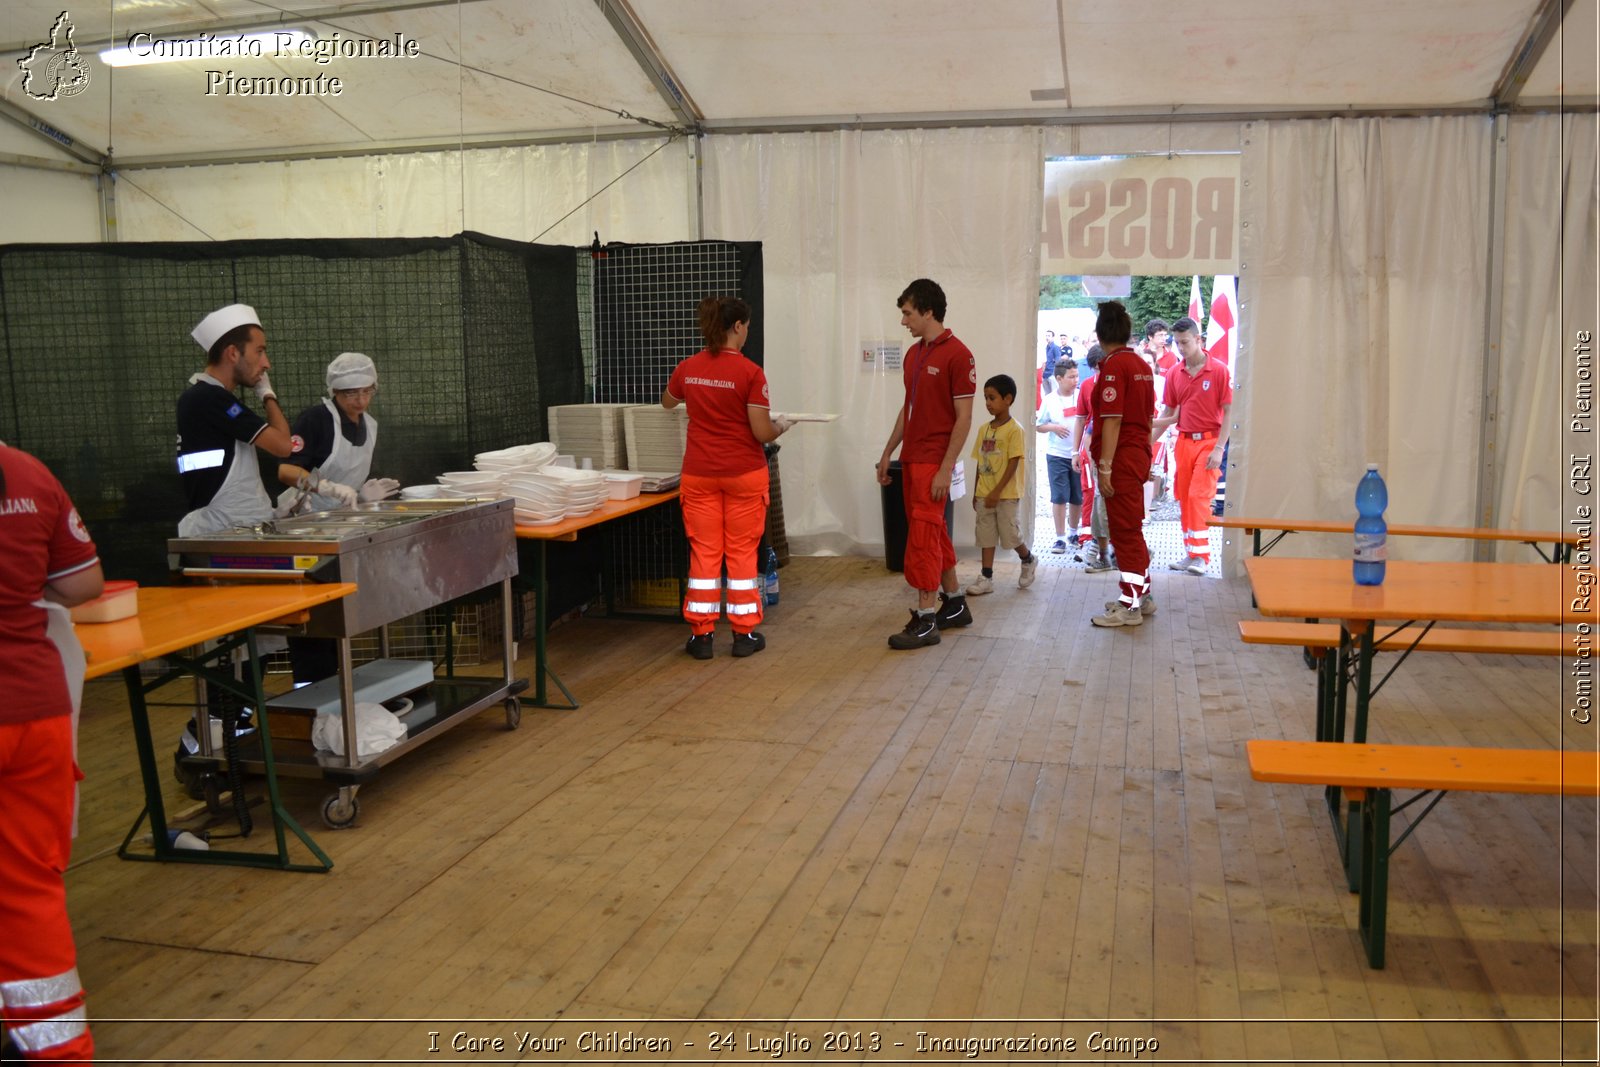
<point>220,321</point>
<point>351,370</point>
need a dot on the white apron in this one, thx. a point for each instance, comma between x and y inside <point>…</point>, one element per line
<point>242,500</point>
<point>347,464</point>
<point>58,628</point>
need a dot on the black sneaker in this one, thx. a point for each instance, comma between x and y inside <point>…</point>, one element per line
<point>953,612</point>
<point>699,646</point>
<point>748,644</point>
<point>921,630</point>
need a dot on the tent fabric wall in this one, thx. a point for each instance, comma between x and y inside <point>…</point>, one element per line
<point>846,219</point>
<point>1362,284</point>
<point>1551,292</point>
<point>41,204</point>
<point>517,193</point>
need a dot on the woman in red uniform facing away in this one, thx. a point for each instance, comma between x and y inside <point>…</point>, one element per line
<point>724,483</point>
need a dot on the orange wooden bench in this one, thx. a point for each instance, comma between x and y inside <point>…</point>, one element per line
<point>1320,639</point>
<point>1369,772</point>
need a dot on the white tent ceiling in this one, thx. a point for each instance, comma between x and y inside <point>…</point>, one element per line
<point>512,71</point>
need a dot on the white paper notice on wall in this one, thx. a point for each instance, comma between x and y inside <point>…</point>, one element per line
<point>881,356</point>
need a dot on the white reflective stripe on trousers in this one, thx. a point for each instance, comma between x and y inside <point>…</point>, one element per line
<point>705,607</point>
<point>705,583</point>
<point>744,583</point>
<point>37,992</point>
<point>48,1033</point>
<point>743,609</point>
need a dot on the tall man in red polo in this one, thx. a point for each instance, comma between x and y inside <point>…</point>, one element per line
<point>1124,400</point>
<point>940,380</point>
<point>1197,397</point>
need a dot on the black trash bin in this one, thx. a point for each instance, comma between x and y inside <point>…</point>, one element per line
<point>894,519</point>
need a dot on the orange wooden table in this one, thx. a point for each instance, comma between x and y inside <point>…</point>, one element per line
<point>171,623</point>
<point>1412,592</point>
<point>1560,541</point>
<point>567,530</point>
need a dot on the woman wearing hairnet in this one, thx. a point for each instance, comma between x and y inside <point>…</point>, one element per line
<point>335,438</point>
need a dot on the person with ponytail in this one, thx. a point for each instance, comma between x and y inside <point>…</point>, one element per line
<point>724,482</point>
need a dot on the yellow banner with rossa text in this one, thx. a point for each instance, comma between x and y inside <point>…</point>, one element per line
<point>1142,215</point>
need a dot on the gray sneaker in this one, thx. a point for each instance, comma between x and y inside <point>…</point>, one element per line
<point>1117,615</point>
<point>1095,563</point>
<point>1147,604</point>
<point>1030,567</point>
<point>1180,564</point>
<point>1196,565</point>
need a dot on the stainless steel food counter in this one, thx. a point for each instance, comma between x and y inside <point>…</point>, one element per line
<point>405,557</point>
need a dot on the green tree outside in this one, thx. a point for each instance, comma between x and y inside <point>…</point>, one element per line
<point>1151,297</point>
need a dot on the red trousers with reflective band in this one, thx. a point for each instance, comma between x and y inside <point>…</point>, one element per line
<point>1196,490</point>
<point>929,552</point>
<point>1086,472</point>
<point>724,518</point>
<point>1125,518</point>
<point>41,998</point>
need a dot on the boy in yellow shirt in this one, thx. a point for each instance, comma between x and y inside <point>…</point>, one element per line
<point>998,452</point>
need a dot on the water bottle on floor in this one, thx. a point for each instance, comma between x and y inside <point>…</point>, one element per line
<point>1372,533</point>
<point>769,576</point>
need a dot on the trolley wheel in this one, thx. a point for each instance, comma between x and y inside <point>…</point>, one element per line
<point>513,713</point>
<point>337,814</point>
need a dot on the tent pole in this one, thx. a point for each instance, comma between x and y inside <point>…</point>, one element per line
<point>1489,419</point>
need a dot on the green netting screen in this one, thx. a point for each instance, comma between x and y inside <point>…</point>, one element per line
<point>474,338</point>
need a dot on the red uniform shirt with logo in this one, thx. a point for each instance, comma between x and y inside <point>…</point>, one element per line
<point>1200,397</point>
<point>1124,387</point>
<point>718,388</point>
<point>41,539</point>
<point>936,376</point>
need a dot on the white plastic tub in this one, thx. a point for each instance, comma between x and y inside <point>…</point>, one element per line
<point>624,486</point>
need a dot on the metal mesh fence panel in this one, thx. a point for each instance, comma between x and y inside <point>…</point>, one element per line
<point>473,337</point>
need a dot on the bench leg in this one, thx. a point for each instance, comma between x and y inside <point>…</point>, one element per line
<point>1373,910</point>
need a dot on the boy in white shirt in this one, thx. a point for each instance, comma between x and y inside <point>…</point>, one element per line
<point>1066,485</point>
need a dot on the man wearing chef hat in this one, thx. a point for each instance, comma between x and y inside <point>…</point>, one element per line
<point>218,434</point>
<point>336,438</point>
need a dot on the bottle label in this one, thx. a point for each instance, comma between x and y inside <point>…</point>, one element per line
<point>1372,548</point>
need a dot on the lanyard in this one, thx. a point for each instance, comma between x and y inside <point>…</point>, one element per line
<point>920,372</point>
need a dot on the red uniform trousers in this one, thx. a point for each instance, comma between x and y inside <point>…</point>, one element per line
<point>1130,468</point>
<point>41,997</point>
<point>1196,489</point>
<point>724,517</point>
<point>929,552</point>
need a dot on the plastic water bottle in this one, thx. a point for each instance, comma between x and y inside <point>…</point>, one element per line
<point>1372,533</point>
<point>769,575</point>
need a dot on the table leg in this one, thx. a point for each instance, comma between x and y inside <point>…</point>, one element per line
<point>541,661</point>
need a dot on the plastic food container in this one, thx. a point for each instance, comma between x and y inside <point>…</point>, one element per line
<point>119,601</point>
<point>624,486</point>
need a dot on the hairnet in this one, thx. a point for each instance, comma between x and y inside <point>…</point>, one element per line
<point>351,370</point>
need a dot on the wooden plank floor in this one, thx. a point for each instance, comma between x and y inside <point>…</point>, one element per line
<point>1035,828</point>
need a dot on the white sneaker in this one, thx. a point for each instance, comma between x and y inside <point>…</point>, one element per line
<point>1180,564</point>
<point>1117,615</point>
<point>1030,567</point>
<point>1147,604</point>
<point>1196,565</point>
<point>980,585</point>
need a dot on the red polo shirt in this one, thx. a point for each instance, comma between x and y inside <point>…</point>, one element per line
<point>1199,397</point>
<point>1126,387</point>
<point>936,376</point>
<point>718,388</point>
